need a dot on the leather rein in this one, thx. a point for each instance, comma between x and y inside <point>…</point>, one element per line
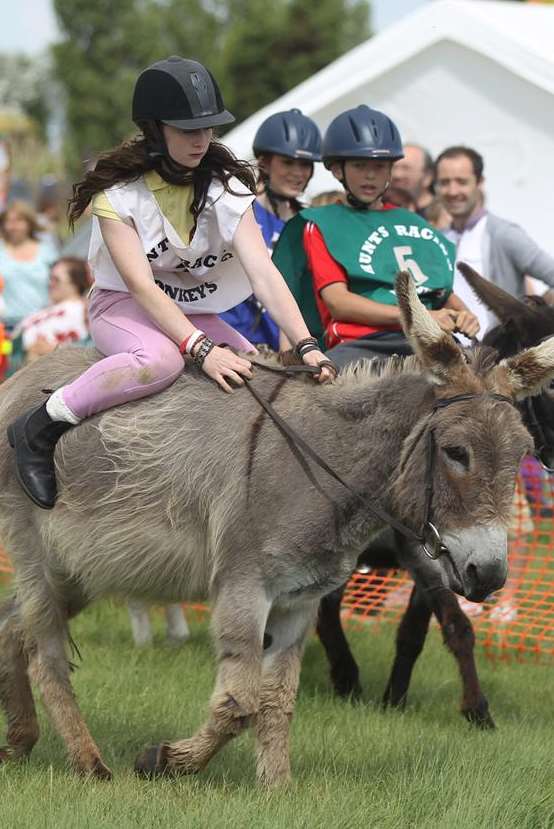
<point>429,538</point>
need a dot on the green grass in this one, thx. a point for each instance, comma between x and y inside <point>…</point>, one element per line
<point>353,766</point>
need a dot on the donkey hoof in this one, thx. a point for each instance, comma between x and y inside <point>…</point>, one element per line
<point>480,718</point>
<point>152,762</point>
<point>100,771</point>
<point>346,683</point>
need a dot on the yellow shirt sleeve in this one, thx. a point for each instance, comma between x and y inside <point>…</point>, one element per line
<point>101,206</point>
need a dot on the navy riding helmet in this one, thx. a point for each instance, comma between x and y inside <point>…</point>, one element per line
<point>361,133</point>
<point>290,134</point>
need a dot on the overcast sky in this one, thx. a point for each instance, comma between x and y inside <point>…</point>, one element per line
<point>30,25</point>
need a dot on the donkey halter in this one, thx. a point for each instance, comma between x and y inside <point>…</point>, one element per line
<point>430,537</point>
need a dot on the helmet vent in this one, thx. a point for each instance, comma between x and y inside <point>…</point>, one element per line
<point>355,130</point>
<point>201,89</point>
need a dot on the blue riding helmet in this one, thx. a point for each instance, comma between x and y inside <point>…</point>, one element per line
<point>361,133</point>
<point>291,134</point>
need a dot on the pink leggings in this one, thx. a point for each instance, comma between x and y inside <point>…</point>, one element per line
<point>140,359</point>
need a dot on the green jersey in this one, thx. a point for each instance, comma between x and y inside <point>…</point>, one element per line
<point>372,246</point>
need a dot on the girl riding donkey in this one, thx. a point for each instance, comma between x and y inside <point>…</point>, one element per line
<point>340,261</point>
<point>174,243</point>
<point>286,146</point>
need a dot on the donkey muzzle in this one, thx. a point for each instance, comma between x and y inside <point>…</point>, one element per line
<point>481,558</point>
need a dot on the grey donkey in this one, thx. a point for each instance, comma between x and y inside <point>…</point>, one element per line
<point>192,492</point>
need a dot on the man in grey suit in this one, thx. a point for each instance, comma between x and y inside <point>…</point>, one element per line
<point>498,249</point>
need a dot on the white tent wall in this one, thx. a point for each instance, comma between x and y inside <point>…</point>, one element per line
<point>454,72</point>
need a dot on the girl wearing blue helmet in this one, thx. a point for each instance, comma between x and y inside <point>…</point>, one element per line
<point>340,261</point>
<point>286,146</point>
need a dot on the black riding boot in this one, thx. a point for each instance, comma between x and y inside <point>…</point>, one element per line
<point>34,436</point>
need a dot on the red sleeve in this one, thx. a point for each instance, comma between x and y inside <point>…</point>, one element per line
<point>324,269</point>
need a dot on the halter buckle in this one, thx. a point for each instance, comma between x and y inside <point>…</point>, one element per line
<point>431,541</point>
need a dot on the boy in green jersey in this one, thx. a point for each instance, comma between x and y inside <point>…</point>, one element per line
<point>340,261</point>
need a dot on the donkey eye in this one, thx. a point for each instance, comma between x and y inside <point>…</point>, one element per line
<point>458,454</point>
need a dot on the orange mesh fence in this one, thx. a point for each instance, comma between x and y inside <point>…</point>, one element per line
<point>518,621</point>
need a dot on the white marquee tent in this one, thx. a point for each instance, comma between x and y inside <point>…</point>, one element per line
<point>476,72</point>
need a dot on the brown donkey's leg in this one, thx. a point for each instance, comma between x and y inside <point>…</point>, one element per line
<point>238,625</point>
<point>15,691</point>
<point>49,669</point>
<point>344,670</point>
<point>285,636</point>
<point>410,639</point>
<point>459,637</point>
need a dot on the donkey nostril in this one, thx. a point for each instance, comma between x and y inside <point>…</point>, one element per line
<point>472,576</point>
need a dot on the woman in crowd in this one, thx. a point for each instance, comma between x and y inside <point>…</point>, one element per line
<point>341,260</point>
<point>286,146</point>
<point>24,263</point>
<point>174,243</point>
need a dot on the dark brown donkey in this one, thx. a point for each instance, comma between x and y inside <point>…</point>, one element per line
<point>523,324</point>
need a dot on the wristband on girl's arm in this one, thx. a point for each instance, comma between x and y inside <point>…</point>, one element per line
<point>189,342</point>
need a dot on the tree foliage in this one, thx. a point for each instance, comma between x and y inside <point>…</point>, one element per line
<point>256,52</point>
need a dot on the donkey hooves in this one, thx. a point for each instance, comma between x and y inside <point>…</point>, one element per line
<point>480,718</point>
<point>100,771</point>
<point>153,762</point>
<point>346,684</point>
<point>10,753</point>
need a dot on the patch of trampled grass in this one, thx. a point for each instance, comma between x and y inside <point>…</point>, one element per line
<point>354,766</point>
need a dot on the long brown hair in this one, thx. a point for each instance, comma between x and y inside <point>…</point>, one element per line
<point>132,159</point>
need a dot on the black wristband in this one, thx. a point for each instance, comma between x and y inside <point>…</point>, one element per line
<point>301,345</point>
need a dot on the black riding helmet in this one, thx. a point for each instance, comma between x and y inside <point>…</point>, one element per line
<point>291,134</point>
<point>180,93</point>
<point>361,133</point>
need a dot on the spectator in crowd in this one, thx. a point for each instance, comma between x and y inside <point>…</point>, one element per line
<point>5,168</point>
<point>497,248</point>
<point>286,146</point>
<point>400,198</point>
<point>329,197</point>
<point>64,320</point>
<point>49,212</point>
<point>415,173</point>
<point>24,263</point>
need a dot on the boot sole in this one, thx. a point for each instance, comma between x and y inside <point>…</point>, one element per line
<point>28,493</point>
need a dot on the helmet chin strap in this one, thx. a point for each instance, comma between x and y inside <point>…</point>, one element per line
<point>353,200</point>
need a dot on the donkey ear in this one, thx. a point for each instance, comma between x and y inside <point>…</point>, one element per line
<point>528,372</point>
<point>503,305</point>
<point>436,349</point>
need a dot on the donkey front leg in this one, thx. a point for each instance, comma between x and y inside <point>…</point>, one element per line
<point>459,638</point>
<point>238,624</point>
<point>344,670</point>
<point>15,691</point>
<point>410,639</point>
<point>284,639</point>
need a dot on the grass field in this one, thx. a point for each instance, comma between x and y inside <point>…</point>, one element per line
<point>354,766</point>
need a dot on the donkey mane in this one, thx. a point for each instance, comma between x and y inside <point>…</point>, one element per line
<point>481,359</point>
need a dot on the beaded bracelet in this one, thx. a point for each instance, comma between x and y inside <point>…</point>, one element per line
<point>206,345</point>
